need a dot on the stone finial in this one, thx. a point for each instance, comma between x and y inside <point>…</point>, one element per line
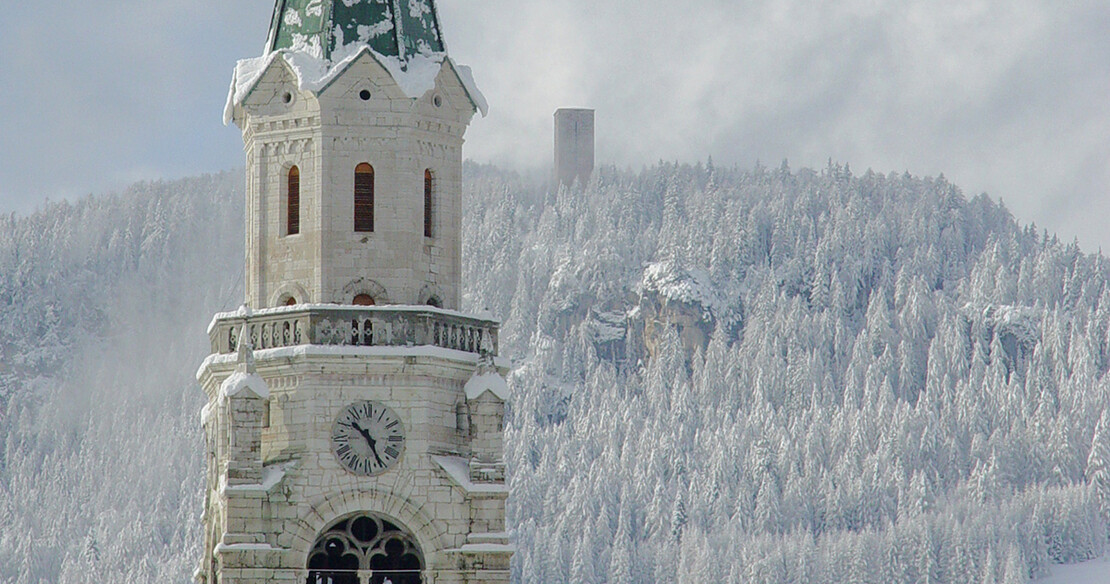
<point>245,378</point>
<point>246,351</point>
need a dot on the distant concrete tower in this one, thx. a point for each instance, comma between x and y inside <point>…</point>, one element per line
<point>574,145</point>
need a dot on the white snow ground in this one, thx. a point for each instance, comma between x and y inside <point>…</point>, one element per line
<point>1092,572</point>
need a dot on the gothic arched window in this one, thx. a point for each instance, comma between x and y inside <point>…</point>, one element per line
<point>429,181</point>
<point>364,300</point>
<point>364,197</point>
<point>365,542</point>
<point>293,202</point>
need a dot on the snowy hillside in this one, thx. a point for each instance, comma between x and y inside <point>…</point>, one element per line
<point>105,304</point>
<point>911,393</point>
<point>721,376</point>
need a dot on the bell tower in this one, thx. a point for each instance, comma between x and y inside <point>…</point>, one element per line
<point>354,418</point>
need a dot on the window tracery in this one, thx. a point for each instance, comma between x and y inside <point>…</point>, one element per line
<point>365,543</point>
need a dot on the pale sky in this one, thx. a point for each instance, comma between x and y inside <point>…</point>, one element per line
<point>1008,97</point>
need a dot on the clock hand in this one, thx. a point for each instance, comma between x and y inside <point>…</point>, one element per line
<point>374,449</point>
<point>364,433</point>
<point>369,440</point>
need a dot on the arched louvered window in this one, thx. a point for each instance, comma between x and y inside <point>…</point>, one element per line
<point>364,197</point>
<point>293,202</point>
<point>428,200</point>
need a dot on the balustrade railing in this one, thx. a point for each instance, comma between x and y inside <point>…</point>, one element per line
<point>368,326</point>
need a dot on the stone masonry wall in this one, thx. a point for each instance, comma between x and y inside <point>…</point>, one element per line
<point>326,137</point>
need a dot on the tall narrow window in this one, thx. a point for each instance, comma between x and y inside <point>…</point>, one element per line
<point>293,203</point>
<point>427,203</point>
<point>364,197</point>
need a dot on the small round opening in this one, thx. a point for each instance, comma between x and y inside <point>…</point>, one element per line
<point>290,301</point>
<point>287,97</point>
<point>437,100</point>
<point>364,95</point>
<point>364,300</point>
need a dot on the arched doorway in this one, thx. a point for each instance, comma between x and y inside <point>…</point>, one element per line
<point>365,543</point>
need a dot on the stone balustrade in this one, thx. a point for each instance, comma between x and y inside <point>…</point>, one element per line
<point>363,326</point>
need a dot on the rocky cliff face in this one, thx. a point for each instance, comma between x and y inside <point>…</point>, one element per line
<point>684,300</point>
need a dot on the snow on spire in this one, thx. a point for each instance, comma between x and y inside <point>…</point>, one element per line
<point>486,378</point>
<point>245,377</point>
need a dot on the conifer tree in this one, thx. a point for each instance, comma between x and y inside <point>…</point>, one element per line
<point>1098,464</point>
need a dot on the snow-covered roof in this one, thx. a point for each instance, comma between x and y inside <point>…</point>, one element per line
<point>396,28</point>
<point>486,377</point>
<point>240,381</point>
<point>490,381</point>
<point>245,378</point>
<point>459,470</point>
<point>319,39</point>
<point>271,476</point>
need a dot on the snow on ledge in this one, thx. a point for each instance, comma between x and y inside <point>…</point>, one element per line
<point>431,351</point>
<point>492,382</point>
<point>247,547</point>
<point>241,381</point>
<point>415,77</point>
<point>488,537</point>
<point>467,78</point>
<point>694,287</point>
<point>271,476</point>
<point>459,471</point>
<point>483,548</point>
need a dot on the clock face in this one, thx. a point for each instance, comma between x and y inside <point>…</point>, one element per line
<point>367,438</point>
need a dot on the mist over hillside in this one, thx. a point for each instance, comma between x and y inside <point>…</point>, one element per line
<point>105,304</point>
<point>721,375</point>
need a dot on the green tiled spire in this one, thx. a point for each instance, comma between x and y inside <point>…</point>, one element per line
<point>394,28</point>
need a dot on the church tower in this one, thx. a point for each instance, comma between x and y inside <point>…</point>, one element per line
<point>354,418</point>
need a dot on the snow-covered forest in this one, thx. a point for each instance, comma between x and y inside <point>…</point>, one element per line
<point>104,307</point>
<point>720,375</point>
